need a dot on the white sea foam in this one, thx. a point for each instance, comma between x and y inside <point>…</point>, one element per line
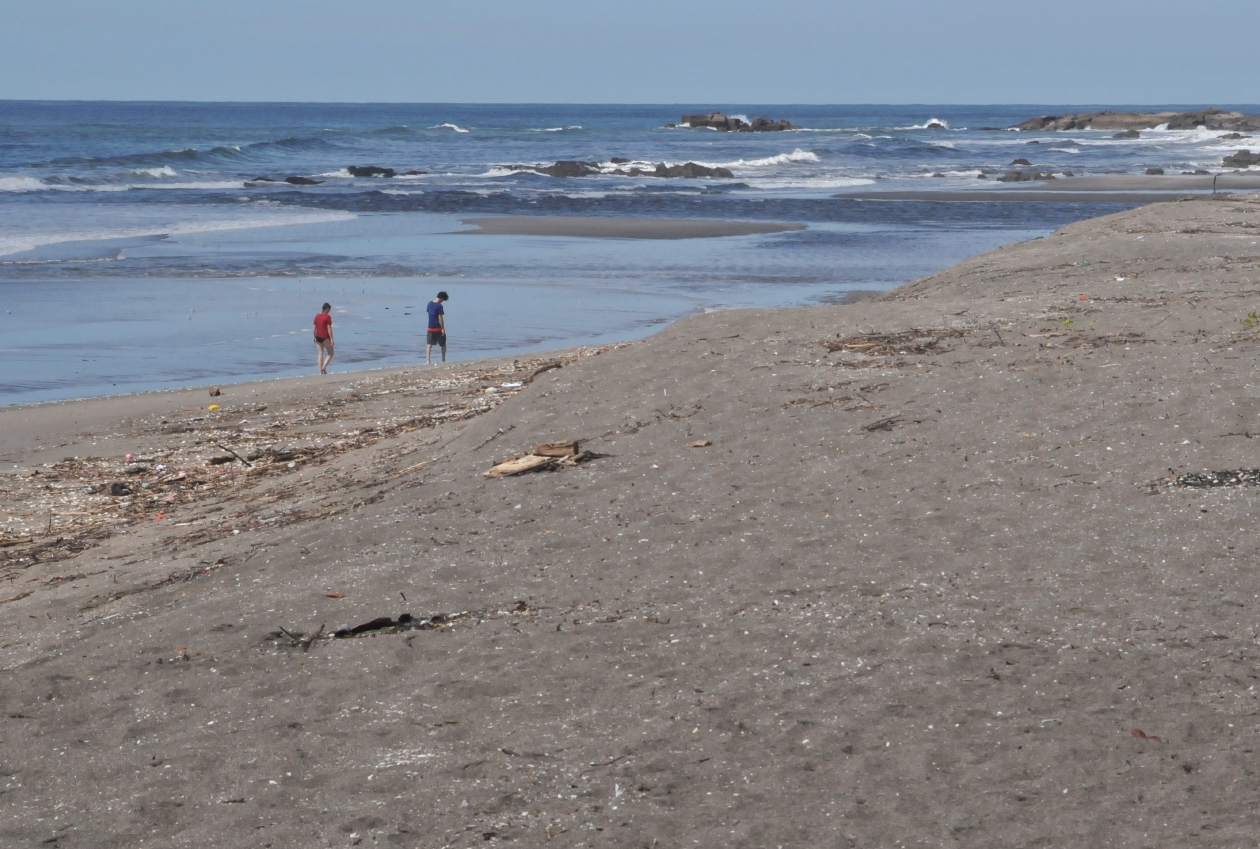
<point>30,184</point>
<point>343,172</point>
<point>21,184</point>
<point>454,127</point>
<point>797,155</point>
<point>556,129</point>
<point>807,184</point>
<point>164,171</point>
<point>929,122</point>
<point>11,244</point>
<point>499,171</point>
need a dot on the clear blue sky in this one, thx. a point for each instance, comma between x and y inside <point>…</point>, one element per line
<point>634,51</point>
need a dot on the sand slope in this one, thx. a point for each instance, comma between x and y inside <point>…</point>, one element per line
<point>919,590</point>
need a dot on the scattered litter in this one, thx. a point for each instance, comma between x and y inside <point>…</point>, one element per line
<point>909,342</point>
<point>1142,735</point>
<point>213,407</point>
<point>699,443</point>
<point>214,392</point>
<point>1201,480</point>
<point>334,595</point>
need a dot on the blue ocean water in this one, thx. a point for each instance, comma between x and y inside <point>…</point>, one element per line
<point>138,250</point>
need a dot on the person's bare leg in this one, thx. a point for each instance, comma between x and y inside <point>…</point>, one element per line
<point>319,356</point>
<point>443,353</point>
<point>428,349</point>
<point>328,360</point>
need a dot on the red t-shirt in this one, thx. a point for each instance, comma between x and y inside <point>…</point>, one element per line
<point>323,325</point>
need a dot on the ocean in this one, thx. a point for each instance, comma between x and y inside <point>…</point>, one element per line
<point>138,249</point>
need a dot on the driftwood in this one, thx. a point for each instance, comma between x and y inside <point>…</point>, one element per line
<point>547,455</point>
<point>520,465</point>
<point>542,369</point>
<point>568,448</point>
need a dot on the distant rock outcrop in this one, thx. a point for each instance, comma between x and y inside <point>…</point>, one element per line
<point>1242,159</point>
<point>1211,119</point>
<point>302,181</point>
<point>370,171</point>
<point>1128,134</point>
<point>718,121</point>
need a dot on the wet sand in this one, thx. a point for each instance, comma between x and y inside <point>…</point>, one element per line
<point>931,581</point>
<point>1103,188</point>
<point>623,228</point>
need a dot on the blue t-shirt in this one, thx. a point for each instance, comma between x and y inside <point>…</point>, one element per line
<point>435,310</point>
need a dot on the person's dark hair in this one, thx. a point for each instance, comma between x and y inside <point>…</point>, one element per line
<point>442,296</point>
<point>327,306</point>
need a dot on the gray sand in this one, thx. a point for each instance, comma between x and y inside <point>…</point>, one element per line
<point>923,587</point>
<point>1101,188</point>
<point>623,228</point>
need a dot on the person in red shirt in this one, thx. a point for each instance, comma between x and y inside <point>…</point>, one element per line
<point>323,338</point>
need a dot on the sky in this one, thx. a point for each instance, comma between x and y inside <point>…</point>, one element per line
<point>634,51</point>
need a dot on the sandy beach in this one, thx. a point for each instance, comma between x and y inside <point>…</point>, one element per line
<point>925,569</point>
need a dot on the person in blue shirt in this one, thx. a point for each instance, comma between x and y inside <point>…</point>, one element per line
<point>437,326</point>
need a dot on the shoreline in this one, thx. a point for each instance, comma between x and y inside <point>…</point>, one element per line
<point>622,227</point>
<point>1107,188</point>
<point>944,548</point>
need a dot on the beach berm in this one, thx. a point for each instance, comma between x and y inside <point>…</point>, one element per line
<point>934,578</point>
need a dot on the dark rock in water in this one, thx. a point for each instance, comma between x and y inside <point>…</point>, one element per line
<point>370,171</point>
<point>1201,171</point>
<point>981,177</point>
<point>938,174</point>
<point>1069,173</point>
<point>1242,159</point>
<point>935,125</point>
<point>718,121</point>
<point>1034,141</point>
<point>1128,134</point>
<point>691,170</point>
<point>671,126</point>
<point>766,125</point>
<point>1021,161</point>
<point>1024,176</point>
<point>619,160</point>
<point>1212,119</point>
<point>262,180</point>
<point>1154,171</point>
<point>569,168</point>
<point>414,173</point>
<point>302,181</point>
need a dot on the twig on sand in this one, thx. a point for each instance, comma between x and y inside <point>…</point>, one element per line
<point>234,454</point>
<point>883,424</point>
<point>306,644</point>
